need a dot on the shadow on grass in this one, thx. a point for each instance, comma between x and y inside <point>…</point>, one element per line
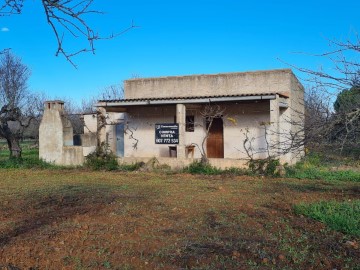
<point>42,208</point>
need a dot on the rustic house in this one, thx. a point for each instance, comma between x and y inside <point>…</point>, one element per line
<point>258,115</point>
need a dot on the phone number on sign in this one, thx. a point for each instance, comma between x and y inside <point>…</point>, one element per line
<point>167,140</point>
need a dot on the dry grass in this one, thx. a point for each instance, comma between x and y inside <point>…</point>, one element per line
<point>69,219</point>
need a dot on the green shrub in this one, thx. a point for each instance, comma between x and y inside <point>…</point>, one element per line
<point>102,159</point>
<point>340,216</point>
<point>198,167</point>
<point>131,167</point>
<point>266,166</point>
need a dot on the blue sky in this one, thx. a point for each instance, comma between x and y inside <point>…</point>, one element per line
<point>179,38</point>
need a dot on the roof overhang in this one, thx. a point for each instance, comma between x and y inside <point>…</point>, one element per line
<point>185,100</point>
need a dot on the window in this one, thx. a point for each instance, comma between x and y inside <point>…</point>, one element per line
<point>190,123</point>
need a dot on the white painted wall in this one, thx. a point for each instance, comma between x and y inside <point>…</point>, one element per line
<point>140,123</point>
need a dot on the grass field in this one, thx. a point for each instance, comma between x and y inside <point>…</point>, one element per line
<point>78,219</point>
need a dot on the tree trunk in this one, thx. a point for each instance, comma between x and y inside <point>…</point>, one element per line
<point>14,147</point>
<point>12,141</point>
<point>204,160</point>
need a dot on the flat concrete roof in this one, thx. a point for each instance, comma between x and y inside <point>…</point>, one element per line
<point>285,70</point>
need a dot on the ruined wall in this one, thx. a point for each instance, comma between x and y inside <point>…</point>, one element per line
<point>56,137</point>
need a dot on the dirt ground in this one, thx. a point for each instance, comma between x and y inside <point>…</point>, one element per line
<point>68,219</point>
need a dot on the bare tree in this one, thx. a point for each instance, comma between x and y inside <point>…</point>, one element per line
<point>112,92</point>
<point>67,18</point>
<point>18,107</point>
<point>345,71</point>
<point>328,127</point>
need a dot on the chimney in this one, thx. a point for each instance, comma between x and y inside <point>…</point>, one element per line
<point>57,105</point>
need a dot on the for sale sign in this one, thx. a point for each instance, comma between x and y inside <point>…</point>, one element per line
<point>167,133</point>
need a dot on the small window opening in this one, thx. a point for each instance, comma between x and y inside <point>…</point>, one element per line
<point>190,123</point>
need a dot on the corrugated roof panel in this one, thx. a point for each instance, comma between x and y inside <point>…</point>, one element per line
<point>186,98</point>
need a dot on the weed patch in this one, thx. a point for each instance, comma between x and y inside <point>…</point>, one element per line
<point>315,166</point>
<point>322,173</point>
<point>340,216</point>
<point>198,167</point>
<point>130,167</point>
<point>25,163</point>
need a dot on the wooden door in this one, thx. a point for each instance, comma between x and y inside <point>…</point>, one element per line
<point>215,141</point>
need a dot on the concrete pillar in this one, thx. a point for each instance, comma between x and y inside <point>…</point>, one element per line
<point>101,125</point>
<point>273,134</point>
<point>181,120</point>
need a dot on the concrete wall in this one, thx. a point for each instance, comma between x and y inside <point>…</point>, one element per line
<point>140,125</point>
<point>246,120</point>
<point>179,163</point>
<point>90,121</point>
<point>88,139</point>
<point>257,82</point>
<point>297,110</point>
<point>72,155</point>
